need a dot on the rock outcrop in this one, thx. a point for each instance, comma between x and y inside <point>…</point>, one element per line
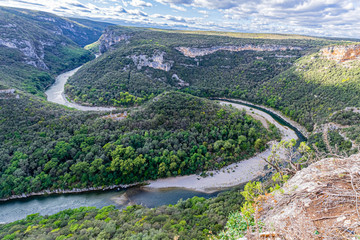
<point>33,51</point>
<point>341,53</point>
<point>319,202</point>
<point>39,36</point>
<point>180,82</point>
<point>8,94</point>
<point>156,61</point>
<point>196,52</point>
<point>110,38</point>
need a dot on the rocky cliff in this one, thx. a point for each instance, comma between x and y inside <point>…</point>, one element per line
<point>40,36</point>
<point>110,38</point>
<point>195,52</point>
<point>156,61</point>
<point>319,202</point>
<point>33,50</point>
<point>342,53</point>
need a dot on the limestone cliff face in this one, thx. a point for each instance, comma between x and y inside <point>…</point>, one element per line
<point>110,38</point>
<point>342,53</point>
<point>36,34</point>
<point>195,52</point>
<point>156,61</point>
<point>33,50</point>
<point>319,202</point>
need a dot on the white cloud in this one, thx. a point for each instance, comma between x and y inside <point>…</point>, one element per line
<point>139,3</point>
<point>177,7</point>
<point>173,18</point>
<point>137,12</point>
<point>312,17</point>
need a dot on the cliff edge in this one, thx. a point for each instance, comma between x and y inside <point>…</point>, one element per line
<point>319,202</point>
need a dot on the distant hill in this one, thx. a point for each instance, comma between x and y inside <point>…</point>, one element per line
<point>35,46</point>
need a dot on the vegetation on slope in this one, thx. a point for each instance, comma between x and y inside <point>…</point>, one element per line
<point>80,31</point>
<point>223,73</point>
<point>305,207</point>
<point>304,84</point>
<point>314,88</point>
<point>195,218</point>
<point>47,147</point>
<point>36,46</point>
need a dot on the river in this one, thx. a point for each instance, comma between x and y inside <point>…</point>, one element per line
<point>159,192</point>
<point>55,93</point>
<point>46,205</point>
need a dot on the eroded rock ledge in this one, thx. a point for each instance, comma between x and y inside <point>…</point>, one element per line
<point>342,53</point>
<point>33,51</point>
<point>156,61</point>
<point>196,52</point>
<point>319,202</point>
<point>110,38</point>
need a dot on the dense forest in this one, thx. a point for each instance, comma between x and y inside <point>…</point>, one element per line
<point>47,147</point>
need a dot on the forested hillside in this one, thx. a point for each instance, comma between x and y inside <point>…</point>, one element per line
<point>143,62</point>
<point>36,46</point>
<point>48,147</point>
<point>315,88</point>
<point>195,218</point>
<point>163,125</point>
<point>289,73</point>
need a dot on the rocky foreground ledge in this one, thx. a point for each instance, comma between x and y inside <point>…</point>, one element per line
<point>319,202</point>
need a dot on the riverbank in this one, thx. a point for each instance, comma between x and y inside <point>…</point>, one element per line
<point>56,94</point>
<point>229,176</point>
<point>299,127</point>
<point>232,175</point>
<point>74,190</point>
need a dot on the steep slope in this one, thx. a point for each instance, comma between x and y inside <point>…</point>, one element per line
<point>80,31</point>
<point>36,45</point>
<point>149,61</point>
<point>320,201</point>
<point>317,85</point>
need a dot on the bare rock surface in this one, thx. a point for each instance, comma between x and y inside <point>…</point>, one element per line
<point>110,38</point>
<point>342,53</point>
<point>319,202</point>
<point>156,61</point>
<point>196,52</point>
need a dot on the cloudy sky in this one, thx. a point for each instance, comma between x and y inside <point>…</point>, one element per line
<point>337,18</point>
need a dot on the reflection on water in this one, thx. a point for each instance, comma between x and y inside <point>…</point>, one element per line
<point>46,205</point>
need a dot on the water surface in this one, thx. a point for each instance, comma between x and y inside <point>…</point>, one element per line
<point>46,205</point>
<point>55,93</point>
